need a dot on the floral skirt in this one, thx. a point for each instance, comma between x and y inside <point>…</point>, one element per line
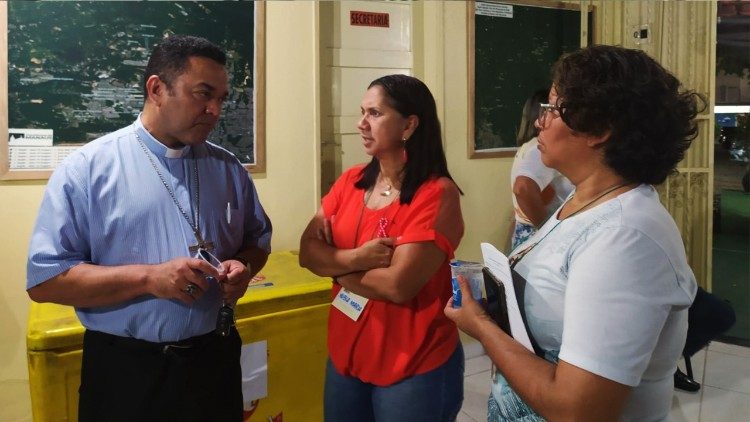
<point>521,233</point>
<point>495,414</point>
<point>509,407</point>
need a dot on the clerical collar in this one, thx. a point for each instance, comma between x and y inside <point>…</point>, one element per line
<point>156,147</point>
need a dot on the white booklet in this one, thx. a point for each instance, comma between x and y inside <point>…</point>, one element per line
<point>497,263</point>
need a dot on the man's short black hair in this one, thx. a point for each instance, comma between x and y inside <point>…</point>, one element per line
<point>170,57</point>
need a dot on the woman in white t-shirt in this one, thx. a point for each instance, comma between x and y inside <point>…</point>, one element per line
<point>606,284</point>
<point>537,190</point>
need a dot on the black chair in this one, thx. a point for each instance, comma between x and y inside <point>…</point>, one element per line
<point>708,317</point>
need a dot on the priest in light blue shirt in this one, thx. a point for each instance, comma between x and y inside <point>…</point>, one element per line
<point>127,232</point>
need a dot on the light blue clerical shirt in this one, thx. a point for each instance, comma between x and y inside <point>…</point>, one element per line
<point>106,205</point>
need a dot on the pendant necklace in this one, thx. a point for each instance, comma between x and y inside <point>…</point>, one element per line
<point>361,213</point>
<point>388,189</point>
<point>200,242</point>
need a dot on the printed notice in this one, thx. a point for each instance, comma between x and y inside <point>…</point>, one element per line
<point>359,18</point>
<point>498,265</point>
<point>254,363</point>
<point>30,137</point>
<point>38,157</point>
<point>494,9</point>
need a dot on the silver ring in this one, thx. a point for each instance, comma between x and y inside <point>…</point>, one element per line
<point>190,288</point>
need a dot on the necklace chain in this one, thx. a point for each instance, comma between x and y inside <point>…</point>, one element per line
<point>598,197</point>
<point>517,257</point>
<point>388,186</point>
<point>196,214</point>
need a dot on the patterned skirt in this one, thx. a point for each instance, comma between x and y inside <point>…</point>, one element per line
<point>521,233</point>
<point>509,407</point>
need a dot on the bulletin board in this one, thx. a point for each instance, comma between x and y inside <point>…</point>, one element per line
<point>71,72</point>
<point>512,47</point>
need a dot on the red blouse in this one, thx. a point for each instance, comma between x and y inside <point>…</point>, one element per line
<point>390,342</point>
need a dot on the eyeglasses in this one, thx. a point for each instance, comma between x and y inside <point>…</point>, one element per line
<point>546,108</point>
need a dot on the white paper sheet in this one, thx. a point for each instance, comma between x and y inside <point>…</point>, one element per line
<point>38,158</point>
<point>254,362</point>
<point>498,265</point>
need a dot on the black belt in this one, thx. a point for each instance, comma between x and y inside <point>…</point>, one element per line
<point>187,344</point>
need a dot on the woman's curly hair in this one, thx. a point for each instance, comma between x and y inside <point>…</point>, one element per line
<point>650,120</point>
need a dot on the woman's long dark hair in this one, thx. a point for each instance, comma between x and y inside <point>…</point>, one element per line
<point>527,129</point>
<point>426,158</point>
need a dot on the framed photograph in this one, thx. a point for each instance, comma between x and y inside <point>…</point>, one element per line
<point>72,71</point>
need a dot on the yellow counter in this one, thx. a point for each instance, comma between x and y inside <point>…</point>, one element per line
<point>291,315</point>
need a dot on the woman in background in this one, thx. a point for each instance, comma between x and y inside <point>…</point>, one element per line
<point>386,232</point>
<point>607,283</point>
<point>537,189</point>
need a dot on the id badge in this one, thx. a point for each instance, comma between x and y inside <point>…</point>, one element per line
<point>351,304</point>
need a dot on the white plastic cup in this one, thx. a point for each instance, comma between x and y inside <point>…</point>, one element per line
<point>472,272</point>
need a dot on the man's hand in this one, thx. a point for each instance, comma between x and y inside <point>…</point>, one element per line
<point>183,279</point>
<point>237,279</point>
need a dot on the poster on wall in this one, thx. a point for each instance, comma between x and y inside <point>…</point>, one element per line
<point>512,48</point>
<point>75,71</point>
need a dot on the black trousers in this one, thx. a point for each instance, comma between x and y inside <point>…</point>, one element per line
<point>124,379</point>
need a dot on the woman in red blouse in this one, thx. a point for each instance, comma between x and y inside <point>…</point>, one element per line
<point>386,231</point>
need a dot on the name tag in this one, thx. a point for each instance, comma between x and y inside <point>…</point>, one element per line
<point>351,304</point>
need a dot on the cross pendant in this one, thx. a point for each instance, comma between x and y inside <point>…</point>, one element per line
<point>209,246</point>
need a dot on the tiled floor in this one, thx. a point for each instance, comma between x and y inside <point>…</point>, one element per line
<point>722,369</point>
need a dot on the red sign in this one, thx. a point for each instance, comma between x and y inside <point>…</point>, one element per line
<point>357,18</point>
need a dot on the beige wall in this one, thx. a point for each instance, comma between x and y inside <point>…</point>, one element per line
<point>441,61</point>
<point>18,204</point>
<point>289,189</point>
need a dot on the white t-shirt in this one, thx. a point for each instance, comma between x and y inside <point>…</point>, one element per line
<point>528,162</point>
<point>609,289</point>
